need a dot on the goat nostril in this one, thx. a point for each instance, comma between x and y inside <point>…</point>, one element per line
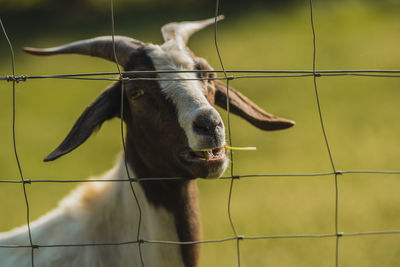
<point>207,122</point>
<point>201,127</point>
<point>206,127</point>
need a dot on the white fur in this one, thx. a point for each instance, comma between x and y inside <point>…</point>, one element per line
<point>99,212</point>
<point>186,94</point>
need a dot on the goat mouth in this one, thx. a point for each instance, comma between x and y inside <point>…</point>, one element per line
<point>212,155</point>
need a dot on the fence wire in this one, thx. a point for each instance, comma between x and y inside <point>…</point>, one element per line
<point>15,144</point>
<point>228,75</point>
<point>122,135</point>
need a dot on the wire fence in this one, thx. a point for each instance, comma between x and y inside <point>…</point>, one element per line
<point>228,75</point>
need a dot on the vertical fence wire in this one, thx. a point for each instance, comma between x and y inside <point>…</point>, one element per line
<point>24,182</point>
<point>336,186</point>
<point>217,3</point>
<point>121,78</point>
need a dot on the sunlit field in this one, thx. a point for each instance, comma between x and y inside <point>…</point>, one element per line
<point>361,115</point>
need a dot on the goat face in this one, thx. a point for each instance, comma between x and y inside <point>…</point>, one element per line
<point>172,126</point>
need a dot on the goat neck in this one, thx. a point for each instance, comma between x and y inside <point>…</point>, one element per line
<point>177,197</point>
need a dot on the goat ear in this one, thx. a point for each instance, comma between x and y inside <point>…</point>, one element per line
<point>245,108</point>
<point>104,107</point>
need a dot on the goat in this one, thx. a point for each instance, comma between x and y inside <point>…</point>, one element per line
<point>172,130</point>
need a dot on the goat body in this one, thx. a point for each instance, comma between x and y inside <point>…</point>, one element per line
<point>96,213</point>
<point>172,130</point>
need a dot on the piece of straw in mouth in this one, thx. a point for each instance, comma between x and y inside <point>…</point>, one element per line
<point>250,148</point>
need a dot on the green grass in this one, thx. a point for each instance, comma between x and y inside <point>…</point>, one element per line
<point>361,117</point>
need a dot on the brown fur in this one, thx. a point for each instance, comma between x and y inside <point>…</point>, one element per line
<point>91,194</point>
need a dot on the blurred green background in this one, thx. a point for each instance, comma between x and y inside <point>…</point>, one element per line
<point>361,117</point>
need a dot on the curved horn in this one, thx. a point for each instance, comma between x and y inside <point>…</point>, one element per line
<point>183,30</point>
<point>97,47</point>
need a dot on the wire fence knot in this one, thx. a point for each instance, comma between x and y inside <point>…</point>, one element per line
<point>26,181</point>
<point>317,74</point>
<point>240,237</point>
<point>35,246</point>
<point>17,79</point>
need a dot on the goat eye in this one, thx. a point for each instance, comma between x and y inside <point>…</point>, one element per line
<point>136,94</point>
<point>211,77</point>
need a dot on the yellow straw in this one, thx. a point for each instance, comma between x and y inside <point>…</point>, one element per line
<point>240,148</point>
<point>206,155</point>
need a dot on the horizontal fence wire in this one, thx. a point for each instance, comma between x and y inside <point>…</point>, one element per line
<point>236,176</point>
<point>221,240</point>
<point>227,76</point>
<point>260,74</point>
